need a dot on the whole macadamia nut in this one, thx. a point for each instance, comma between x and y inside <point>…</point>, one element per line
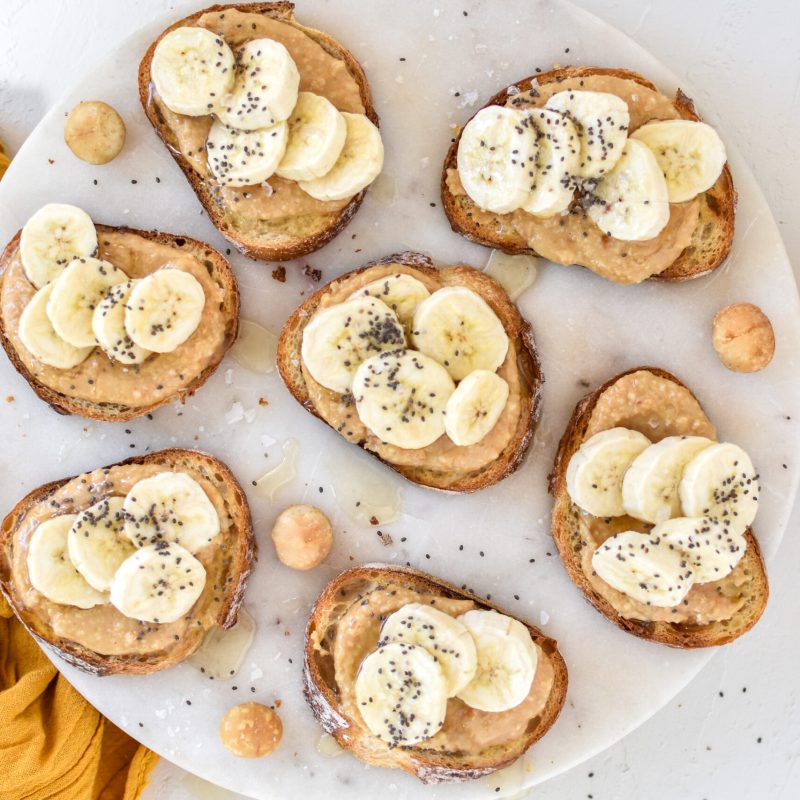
<point>251,730</point>
<point>303,536</point>
<point>743,337</point>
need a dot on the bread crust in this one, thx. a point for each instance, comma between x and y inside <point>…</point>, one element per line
<point>517,328</point>
<point>90,661</point>
<point>428,766</point>
<point>289,246</point>
<point>567,537</point>
<point>717,214</point>
<point>114,412</point>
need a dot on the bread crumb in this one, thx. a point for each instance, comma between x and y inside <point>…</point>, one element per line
<point>10,398</point>
<point>279,274</point>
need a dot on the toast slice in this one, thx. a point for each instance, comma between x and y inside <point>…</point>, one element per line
<point>217,606</point>
<point>63,401</point>
<point>712,236</point>
<point>748,580</point>
<point>518,329</point>
<point>278,240</point>
<point>429,765</point>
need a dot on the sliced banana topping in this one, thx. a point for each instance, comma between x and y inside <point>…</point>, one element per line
<point>77,291</point>
<point>401,693</point>
<point>51,238</point>
<point>50,570</point>
<point>265,87</point>
<point>359,163</point>
<point>159,583</point>
<point>459,329</point>
<point>721,483</point>
<point>108,325</point>
<point>507,660</point>
<point>40,339</point>
<point>645,568</point>
<point>475,406</point>
<point>650,486</point>
<point>339,338</point>
<point>443,636</point>
<point>496,158</point>
<point>192,70</point>
<point>97,544</point>
<point>401,292</point>
<point>595,471</point>
<point>164,310</point>
<point>691,155</point>
<point>602,121</point>
<point>245,158</point>
<point>170,507</point>
<point>401,397</point>
<point>631,202</point>
<point>317,132</point>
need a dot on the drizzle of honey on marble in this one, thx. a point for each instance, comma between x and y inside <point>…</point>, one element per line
<point>222,652</point>
<point>255,348</point>
<point>271,482</point>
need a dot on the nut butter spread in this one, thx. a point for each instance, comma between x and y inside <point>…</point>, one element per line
<point>572,238</point>
<point>339,411</point>
<point>100,380</point>
<point>320,72</point>
<point>657,408</point>
<point>465,729</point>
<point>102,628</point>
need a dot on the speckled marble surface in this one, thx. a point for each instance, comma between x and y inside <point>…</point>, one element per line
<point>707,738</point>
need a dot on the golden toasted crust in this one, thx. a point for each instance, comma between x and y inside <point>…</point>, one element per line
<point>322,693</point>
<point>221,272</point>
<point>241,564</point>
<point>268,247</point>
<point>567,534</point>
<point>712,237</point>
<point>518,329</point>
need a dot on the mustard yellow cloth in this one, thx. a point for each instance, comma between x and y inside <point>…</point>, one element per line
<point>53,744</point>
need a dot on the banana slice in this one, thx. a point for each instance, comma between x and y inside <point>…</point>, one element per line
<point>359,163</point>
<point>108,326</point>
<point>97,544</point>
<point>595,471</point>
<point>51,238</point>
<point>265,88</point>
<point>50,570</point>
<point>443,636</point>
<point>158,583</point>
<point>475,406</point>
<point>317,132</point>
<point>172,507</point>
<point>632,201</point>
<point>401,397</point>
<point>557,163</point>
<point>602,121</point>
<point>401,292</point>
<point>401,693</point>
<point>77,291</point>
<point>691,155</point>
<point>40,338</point>
<point>721,483</point>
<point>650,485</point>
<point>245,158</point>
<point>496,158</point>
<point>458,328</point>
<point>507,660</point>
<point>339,338</point>
<point>711,550</point>
<point>192,70</point>
<point>644,567</point>
<point>164,310</point>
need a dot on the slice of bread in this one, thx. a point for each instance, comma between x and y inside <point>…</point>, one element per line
<point>569,538</point>
<point>292,238</point>
<point>221,273</point>
<point>223,595</point>
<point>323,693</point>
<point>518,330</point>
<point>713,235</point>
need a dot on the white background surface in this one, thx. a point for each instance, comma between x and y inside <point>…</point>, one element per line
<point>738,59</point>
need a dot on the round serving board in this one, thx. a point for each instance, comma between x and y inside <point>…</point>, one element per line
<point>430,66</point>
